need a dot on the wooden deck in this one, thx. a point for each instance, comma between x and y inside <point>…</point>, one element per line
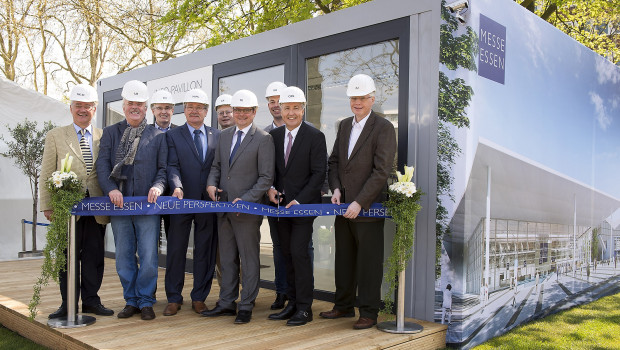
<point>186,330</point>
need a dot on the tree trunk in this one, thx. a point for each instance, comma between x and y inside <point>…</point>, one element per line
<point>35,200</point>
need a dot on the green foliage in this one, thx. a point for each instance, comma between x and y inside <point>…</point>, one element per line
<point>457,51</point>
<point>403,210</point>
<point>595,241</point>
<point>592,326</point>
<point>62,200</point>
<point>13,341</point>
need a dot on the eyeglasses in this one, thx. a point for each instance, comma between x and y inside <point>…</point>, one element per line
<point>167,108</point>
<point>243,110</point>
<point>81,106</point>
<point>223,113</point>
<point>195,108</point>
<point>359,98</point>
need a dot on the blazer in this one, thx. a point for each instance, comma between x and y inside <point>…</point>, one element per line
<point>59,142</point>
<point>363,176</point>
<point>303,176</point>
<point>149,167</point>
<point>250,174</point>
<point>185,169</point>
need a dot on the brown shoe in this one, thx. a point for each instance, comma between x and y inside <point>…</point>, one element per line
<point>128,311</point>
<point>147,313</point>
<point>172,309</point>
<point>334,313</point>
<point>199,306</point>
<point>364,323</point>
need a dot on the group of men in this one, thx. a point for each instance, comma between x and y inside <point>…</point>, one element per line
<point>285,164</point>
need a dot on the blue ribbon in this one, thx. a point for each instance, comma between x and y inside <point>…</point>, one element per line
<point>102,206</point>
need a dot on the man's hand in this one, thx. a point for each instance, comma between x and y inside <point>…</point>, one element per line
<point>48,214</point>
<point>336,197</point>
<point>178,192</point>
<point>291,203</point>
<point>235,201</point>
<point>272,193</point>
<point>116,197</point>
<point>212,191</point>
<point>154,192</point>
<point>353,210</point>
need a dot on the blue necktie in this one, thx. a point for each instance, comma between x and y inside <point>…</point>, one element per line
<point>232,154</point>
<point>198,144</point>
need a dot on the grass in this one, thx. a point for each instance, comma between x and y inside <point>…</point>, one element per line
<point>13,341</point>
<point>592,326</point>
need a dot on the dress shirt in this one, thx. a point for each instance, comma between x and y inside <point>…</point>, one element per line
<point>89,136</point>
<point>356,130</point>
<point>294,134</point>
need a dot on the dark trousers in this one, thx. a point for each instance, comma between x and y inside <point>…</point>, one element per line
<point>359,265</point>
<point>279,263</point>
<point>295,235</point>
<point>205,247</point>
<point>89,247</point>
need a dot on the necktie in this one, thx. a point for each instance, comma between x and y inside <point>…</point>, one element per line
<point>232,154</point>
<point>85,148</point>
<point>198,144</point>
<point>288,148</point>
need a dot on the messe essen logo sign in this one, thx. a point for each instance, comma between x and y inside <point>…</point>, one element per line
<point>492,44</point>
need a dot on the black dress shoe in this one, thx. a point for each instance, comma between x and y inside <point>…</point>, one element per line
<point>61,312</point>
<point>279,302</point>
<point>128,311</point>
<point>300,318</point>
<point>147,313</point>
<point>285,314</point>
<point>243,316</point>
<point>218,311</point>
<point>98,309</point>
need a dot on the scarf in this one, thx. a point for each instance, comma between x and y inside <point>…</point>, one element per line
<point>126,151</point>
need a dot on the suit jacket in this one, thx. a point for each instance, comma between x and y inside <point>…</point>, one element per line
<point>185,169</point>
<point>303,176</point>
<point>250,174</point>
<point>59,142</point>
<point>363,176</point>
<point>149,167</point>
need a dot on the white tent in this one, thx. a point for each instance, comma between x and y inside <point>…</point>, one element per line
<point>17,104</point>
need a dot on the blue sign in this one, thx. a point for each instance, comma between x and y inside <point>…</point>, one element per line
<point>492,45</point>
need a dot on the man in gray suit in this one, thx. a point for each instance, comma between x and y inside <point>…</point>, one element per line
<point>243,170</point>
<point>132,162</point>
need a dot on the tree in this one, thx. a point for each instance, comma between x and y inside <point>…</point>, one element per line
<point>454,97</point>
<point>594,23</point>
<point>26,150</point>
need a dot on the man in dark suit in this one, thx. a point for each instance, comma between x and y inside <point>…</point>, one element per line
<point>132,162</point>
<point>162,107</point>
<point>359,166</point>
<point>272,95</point>
<point>191,149</point>
<point>301,160</point>
<point>242,171</point>
<point>81,140</point>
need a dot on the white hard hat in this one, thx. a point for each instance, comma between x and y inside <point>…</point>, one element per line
<point>292,94</point>
<point>360,85</point>
<point>244,98</point>
<point>196,95</point>
<point>135,91</point>
<point>222,100</point>
<point>83,93</point>
<point>162,96</point>
<point>274,89</point>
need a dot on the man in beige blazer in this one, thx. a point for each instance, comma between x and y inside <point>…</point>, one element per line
<point>81,141</point>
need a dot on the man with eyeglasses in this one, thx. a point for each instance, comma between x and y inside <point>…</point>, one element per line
<point>224,111</point>
<point>80,140</point>
<point>191,149</point>
<point>359,166</point>
<point>243,170</point>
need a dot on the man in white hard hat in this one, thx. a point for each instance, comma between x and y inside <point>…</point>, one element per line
<point>272,94</point>
<point>191,149</point>
<point>162,107</point>
<point>301,161</point>
<point>132,162</point>
<point>242,171</point>
<point>359,166</point>
<point>224,111</point>
<point>80,140</point>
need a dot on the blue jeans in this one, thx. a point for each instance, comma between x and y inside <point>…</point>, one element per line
<point>137,234</point>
